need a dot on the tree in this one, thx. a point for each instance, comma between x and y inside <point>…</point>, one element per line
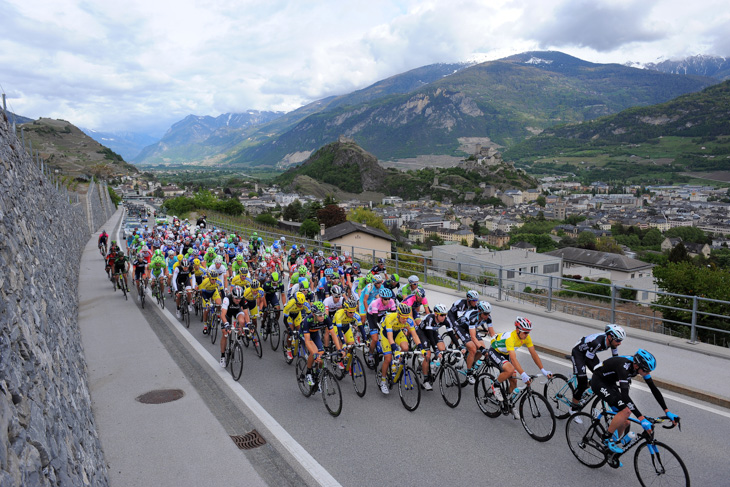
<point>464,242</point>
<point>608,244</point>
<point>368,217</point>
<point>329,200</point>
<point>574,219</point>
<point>309,228</point>
<point>309,211</point>
<point>679,254</point>
<point>541,201</point>
<point>652,238</point>
<point>587,240</point>
<point>230,206</point>
<point>331,215</point>
<point>475,243</point>
<point>158,193</point>
<point>266,219</point>
<point>688,234</point>
<point>476,228</point>
<point>293,211</point>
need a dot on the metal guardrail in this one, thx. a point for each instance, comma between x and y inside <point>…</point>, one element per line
<point>558,293</point>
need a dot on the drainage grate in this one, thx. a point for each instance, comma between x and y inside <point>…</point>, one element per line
<point>160,396</point>
<point>249,441</point>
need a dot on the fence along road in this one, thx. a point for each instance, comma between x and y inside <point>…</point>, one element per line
<point>375,440</point>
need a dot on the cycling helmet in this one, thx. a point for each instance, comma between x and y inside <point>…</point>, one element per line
<point>293,246</point>
<point>485,307</point>
<point>334,254</point>
<point>196,261</point>
<point>616,332</point>
<point>356,266</point>
<point>318,308</point>
<point>369,278</point>
<point>158,253</point>
<point>275,276</point>
<point>522,324</point>
<point>179,257</point>
<point>385,293</point>
<point>237,292</point>
<point>120,253</point>
<point>381,261</point>
<point>644,360</point>
<point>439,309</point>
<point>420,292</point>
<point>395,278</point>
<point>404,310</point>
<point>304,284</point>
<point>349,305</point>
<point>378,278</point>
<point>472,295</point>
<point>413,279</point>
<point>320,253</point>
<point>255,284</point>
<point>328,272</point>
<point>300,298</point>
<point>302,270</point>
<point>239,257</point>
<point>185,263</point>
<point>218,260</point>
<point>336,291</point>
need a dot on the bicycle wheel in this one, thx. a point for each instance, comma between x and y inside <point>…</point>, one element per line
<point>124,289</point>
<point>236,361</point>
<point>141,295</point>
<point>186,316</point>
<point>213,329</point>
<point>300,369</point>
<point>284,349</point>
<point>484,395</point>
<point>331,393</point>
<point>559,393</point>
<point>417,366</point>
<point>337,372</point>
<point>256,341</point>
<point>357,372</point>
<point>584,440</point>
<point>161,297</point>
<point>409,389</point>
<point>449,386</point>
<point>274,335</point>
<point>537,416</point>
<point>265,328</point>
<point>661,467</point>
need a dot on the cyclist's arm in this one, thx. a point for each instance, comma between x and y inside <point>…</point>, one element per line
<point>535,357</point>
<point>654,391</point>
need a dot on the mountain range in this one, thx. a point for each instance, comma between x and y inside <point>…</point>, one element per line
<point>700,65</point>
<point>431,110</point>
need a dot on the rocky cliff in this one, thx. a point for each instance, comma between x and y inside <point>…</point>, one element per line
<point>47,432</point>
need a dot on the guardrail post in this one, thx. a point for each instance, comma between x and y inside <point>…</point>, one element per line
<point>396,261</point>
<point>373,257</point>
<point>550,294</point>
<point>458,275</point>
<point>425,270</point>
<point>613,303</point>
<point>499,285</point>
<point>693,331</point>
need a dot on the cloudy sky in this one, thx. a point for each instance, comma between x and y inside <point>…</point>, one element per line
<point>141,65</point>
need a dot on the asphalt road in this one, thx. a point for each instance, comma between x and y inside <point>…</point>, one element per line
<point>376,441</point>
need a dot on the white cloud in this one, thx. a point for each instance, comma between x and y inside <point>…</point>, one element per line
<point>139,64</point>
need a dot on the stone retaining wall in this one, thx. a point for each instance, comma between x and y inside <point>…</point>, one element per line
<point>47,430</point>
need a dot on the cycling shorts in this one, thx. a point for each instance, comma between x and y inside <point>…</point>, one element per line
<point>498,359</point>
<point>346,332</point>
<point>609,392</point>
<point>272,299</point>
<point>316,338</point>
<point>463,334</point>
<point>398,338</point>
<point>208,295</point>
<point>429,338</point>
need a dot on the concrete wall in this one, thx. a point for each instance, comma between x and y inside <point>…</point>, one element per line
<point>47,431</point>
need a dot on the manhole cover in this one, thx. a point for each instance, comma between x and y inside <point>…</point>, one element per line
<point>249,441</point>
<point>160,396</point>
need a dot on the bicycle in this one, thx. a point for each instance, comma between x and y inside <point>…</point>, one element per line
<point>120,282</point>
<point>354,367</point>
<point>184,312</point>
<point>324,381</point>
<point>102,248</point>
<point>158,293</point>
<point>443,373</point>
<point>584,433</point>
<point>409,386</point>
<point>251,335</point>
<point>536,414</point>
<point>234,353</point>
<point>270,327</point>
<point>559,391</point>
<point>142,290</point>
<point>294,345</point>
<point>214,321</point>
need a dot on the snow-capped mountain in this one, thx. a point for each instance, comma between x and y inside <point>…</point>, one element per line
<point>700,65</point>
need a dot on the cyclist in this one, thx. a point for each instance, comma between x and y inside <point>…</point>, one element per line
<point>370,293</point>
<point>415,301</point>
<point>503,355</point>
<point>209,291</point>
<point>158,270</point>
<point>379,269</point>
<point>181,281</point>
<point>231,311</point>
<point>345,318</point>
<point>121,266</point>
<point>377,311</point>
<point>140,268</point>
<point>274,292</point>
<point>334,302</point>
<point>611,382</point>
<point>392,338</point>
<point>310,328</point>
<point>584,354</point>
<point>461,306</point>
<point>293,318</point>
<point>409,288</point>
<point>102,239</point>
<point>254,297</point>
<point>466,329</point>
<point>428,332</point>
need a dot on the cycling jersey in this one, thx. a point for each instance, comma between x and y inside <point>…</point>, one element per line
<point>459,308</point>
<point>592,344</point>
<point>393,325</point>
<point>377,307</point>
<point>331,305</point>
<point>504,343</point>
<point>251,294</point>
<point>612,380</point>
